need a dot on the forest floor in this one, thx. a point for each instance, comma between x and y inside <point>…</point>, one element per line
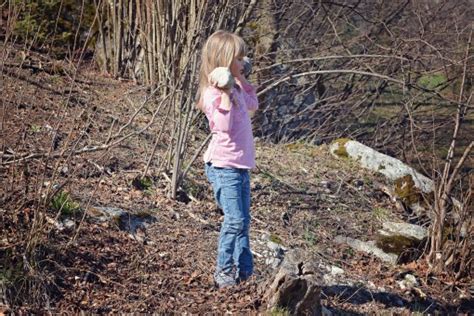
<point>302,197</point>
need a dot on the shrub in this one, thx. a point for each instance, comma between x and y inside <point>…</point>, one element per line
<point>53,22</point>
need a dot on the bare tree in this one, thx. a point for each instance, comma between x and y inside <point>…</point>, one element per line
<point>157,42</point>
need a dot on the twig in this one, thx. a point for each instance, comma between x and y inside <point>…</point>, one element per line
<point>333,57</point>
<point>204,143</point>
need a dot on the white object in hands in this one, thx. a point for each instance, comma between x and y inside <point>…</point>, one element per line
<point>222,77</point>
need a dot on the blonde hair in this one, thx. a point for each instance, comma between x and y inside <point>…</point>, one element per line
<point>219,50</point>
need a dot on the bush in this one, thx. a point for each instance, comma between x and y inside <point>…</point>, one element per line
<point>53,22</point>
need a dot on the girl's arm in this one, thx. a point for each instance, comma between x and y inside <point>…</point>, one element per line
<point>217,101</point>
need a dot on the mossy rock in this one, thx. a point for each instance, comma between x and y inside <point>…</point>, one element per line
<point>340,151</point>
<point>406,190</point>
<point>397,244</point>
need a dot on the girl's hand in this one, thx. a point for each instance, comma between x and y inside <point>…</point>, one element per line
<point>241,79</point>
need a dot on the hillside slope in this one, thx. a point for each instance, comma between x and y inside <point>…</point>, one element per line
<point>302,198</point>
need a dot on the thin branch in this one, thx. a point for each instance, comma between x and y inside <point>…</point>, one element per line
<point>320,72</point>
<point>360,56</point>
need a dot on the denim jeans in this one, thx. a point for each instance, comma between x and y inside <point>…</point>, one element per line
<point>232,192</point>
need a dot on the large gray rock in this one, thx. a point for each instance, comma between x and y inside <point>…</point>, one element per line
<point>371,159</point>
<point>297,285</point>
<point>368,247</point>
<point>403,229</point>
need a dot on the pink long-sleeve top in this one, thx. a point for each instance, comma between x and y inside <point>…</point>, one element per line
<point>232,144</point>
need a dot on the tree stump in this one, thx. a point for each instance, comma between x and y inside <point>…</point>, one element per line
<point>297,285</point>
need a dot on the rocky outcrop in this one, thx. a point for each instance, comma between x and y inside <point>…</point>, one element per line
<point>403,229</point>
<point>396,242</point>
<point>371,159</point>
<point>369,247</point>
<point>409,186</point>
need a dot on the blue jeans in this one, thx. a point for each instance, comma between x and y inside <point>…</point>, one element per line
<point>232,192</point>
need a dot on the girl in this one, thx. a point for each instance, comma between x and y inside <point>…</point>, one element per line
<point>231,152</point>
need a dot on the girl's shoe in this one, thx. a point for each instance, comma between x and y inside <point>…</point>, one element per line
<point>223,280</point>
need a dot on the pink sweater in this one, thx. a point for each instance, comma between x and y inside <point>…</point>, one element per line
<point>232,143</point>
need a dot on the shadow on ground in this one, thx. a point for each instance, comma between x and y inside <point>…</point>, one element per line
<point>359,295</point>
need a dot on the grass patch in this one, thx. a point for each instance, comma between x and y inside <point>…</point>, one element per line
<point>64,204</point>
<point>35,128</point>
<point>142,183</point>
<point>432,81</point>
<point>341,149</point>
<point>309,237</point>
<point>275,238</point>
<point>381,213</point>
<point>406,190</point>
<point>279,311</point>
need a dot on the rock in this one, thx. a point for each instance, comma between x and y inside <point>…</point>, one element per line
<point>371,159</point>
<point>125,220</point>
<point>334,277</point>
<point>411,279</point>
<point>404,229</point>
<point>409,186</point>
<point>408,282</point>
<point>275,253</point>
<point>273,262</point>
<point>61,225</point>
<point>403,239</point>
<point>297,285</point>
<point>273,246</point>
<point>399,245</point>
<point>325,184</point>
<point>64,170</point>
<point>368,247</point>
<point>69,224</point>
<point>336,270</point>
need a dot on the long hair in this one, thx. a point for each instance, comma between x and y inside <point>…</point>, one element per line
<point>219,51</point>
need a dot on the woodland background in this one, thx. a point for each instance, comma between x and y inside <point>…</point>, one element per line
<point>394,75</point>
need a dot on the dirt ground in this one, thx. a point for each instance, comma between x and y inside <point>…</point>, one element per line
<point>301,196</point>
